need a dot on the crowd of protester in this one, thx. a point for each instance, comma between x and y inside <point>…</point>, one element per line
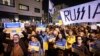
<point>54,41</point>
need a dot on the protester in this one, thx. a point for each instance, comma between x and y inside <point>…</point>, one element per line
<point>84,38</point>
<point>45,38</point>
<point>79,48</point>
<point>15,47</point>
<point>95,46</point>
<point>70,40</point>
<point>60,44</point>
<point>34,46</point>
<point>2,38</point>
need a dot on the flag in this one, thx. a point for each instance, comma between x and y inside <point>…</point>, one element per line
<point>51,7</point>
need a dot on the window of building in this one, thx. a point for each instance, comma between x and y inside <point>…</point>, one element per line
<point>37,0</point>
<point>23,7</point>
<point>7,2</point>
<point>37,10</point>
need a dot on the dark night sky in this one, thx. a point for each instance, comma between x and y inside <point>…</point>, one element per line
<point>67,2</point>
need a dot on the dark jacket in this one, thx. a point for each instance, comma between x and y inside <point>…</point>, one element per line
<point>2,38</point>
<point>82,50</point>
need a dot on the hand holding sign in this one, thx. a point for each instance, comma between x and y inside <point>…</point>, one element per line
<point>60,47</point>
<point>33,48</point>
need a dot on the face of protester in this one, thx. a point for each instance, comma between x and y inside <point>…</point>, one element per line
<point>70,32</point>
<point>47,29</point>
<point>16,38</point>
<point>82,28</point>
<point>81,34</point>
<point>55,33</point>
<point>33,39</point>
<point>38,30</point>
<point>66,28</point>
<point>60,36</point>
<point>79,40</point>
<point>57,29</point>
<point>92,34</point>
<point>50,32</point>
<point>33,33</point>
<point>98,36</point>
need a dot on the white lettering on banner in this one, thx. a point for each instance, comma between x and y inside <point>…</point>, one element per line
<point>88,12</point>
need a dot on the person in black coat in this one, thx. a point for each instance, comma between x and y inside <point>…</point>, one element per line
<point>2,38</point>
<point>79,48</point>
<point>11,49</point>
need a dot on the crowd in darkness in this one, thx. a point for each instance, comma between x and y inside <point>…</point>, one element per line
<point>55,40</point>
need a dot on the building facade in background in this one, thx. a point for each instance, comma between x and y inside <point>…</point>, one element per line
<point>20,10</point>
<point>56,16</point>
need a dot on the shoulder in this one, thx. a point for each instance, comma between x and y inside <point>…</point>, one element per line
<point>30,42</point>
<point>74,45</point>
<point>64,39</point>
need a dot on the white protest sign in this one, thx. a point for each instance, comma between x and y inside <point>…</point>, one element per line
<point>94,26</point>
<point>88,12</point>
<point>98,25</point>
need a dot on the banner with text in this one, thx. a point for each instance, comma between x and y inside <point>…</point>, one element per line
<point>88,12</point>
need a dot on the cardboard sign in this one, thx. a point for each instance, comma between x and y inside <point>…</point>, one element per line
<point>13,28</point>
<point>36,48</point>
<point>12,25</point>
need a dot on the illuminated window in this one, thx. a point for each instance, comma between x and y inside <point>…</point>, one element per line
<point>23,7</point>
<point>7,2</point>
<point>37,0</point>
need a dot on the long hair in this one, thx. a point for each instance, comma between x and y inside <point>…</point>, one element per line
<point>77,39</point>
<point>57,38</point>
<point>32,36</point>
